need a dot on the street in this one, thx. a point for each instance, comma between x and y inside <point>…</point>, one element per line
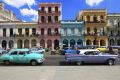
<point>51,70</point>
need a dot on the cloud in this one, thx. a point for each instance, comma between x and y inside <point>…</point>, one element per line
<point>19,3</point>
<point>93,2</point>
<point>33,14</point>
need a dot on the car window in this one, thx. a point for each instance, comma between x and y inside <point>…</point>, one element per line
<point>89,53</point>
<point>21,53</point>
<point>14,53</point>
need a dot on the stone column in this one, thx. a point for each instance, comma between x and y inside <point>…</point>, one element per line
<point>30,44</point>
<point>52,44</point>
<point>23,31</point>
<point>45,44</point>
<point>8,32</point>
<point>22,43</point>
<point>30,31</point>
<point>1,30</point>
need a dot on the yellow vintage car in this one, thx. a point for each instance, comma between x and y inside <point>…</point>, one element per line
<point>102,49</point>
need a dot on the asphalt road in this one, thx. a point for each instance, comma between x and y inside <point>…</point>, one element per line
<point>51,70</point>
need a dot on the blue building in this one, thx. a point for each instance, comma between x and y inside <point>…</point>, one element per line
<point>72,33</point>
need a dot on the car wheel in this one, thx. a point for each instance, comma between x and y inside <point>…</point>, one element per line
<point>79,63</point>
<point>33,63</point>
<point>111,62</point>
<point>6,62</point>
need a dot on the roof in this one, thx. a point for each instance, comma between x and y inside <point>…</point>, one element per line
<point>20,50</point>
<point>82,51</point>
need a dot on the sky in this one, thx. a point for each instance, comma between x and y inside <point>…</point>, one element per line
<point>26,10</point>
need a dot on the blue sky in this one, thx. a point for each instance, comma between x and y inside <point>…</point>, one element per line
<point>26,10</point>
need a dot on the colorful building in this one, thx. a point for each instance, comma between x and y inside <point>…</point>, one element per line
<point>49,24</point>
<point>18,35</point>
<point>72,33</point>
<point>95,26</point>
<point>114,29</point>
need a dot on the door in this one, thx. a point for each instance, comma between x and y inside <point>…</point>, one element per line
<point>22,57</point>
<point>14,57</point>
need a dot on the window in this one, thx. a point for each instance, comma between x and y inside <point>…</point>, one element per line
<point>88,18</point>
<point>33,31</point>
<point>27,31</point>
<point>56,18</point>
<point>4,32</point>
<point>49,31</point>
<point>14,53</point>
<point>88,31</point>
<point>42,19</point>
<point>49,19</point>
<point>43,9</point>
<point>95,18</point>
<point>56,9</point>
<point>89,53</point>
<point>56,30</point>
<point>95,31</point>
<point>11,32</point>
<point>49,10</point>
<point>42,31</point>
<point>21,53</point>
<point>20,31</point>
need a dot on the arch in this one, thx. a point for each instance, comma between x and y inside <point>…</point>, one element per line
<point>4,44</point>
<point>42,42</point>
<point>11,44</point>
<point>19,43</point>
<point>79,42</point>
<point>118,42</point>
<point>56,44</point>
<point>33,43</point>
<point>102,43</point>
<point>49,43</point>
<point>72,42</point>
<point>111,42</point>
<point>88,42</point>
<point>65,43</point>
<point>95,42</point>
<point>26,43</point>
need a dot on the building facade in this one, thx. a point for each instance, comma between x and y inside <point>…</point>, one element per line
<point>49,24</point>
<point>114,29</point>
<point>18,35</point>
<point>72,33</point>
<point>95,26</point>
<point>6,15</point>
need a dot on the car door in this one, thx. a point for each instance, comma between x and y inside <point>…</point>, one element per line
<point>88,57</point>
<point>22,57</point>
<point>14,57</point>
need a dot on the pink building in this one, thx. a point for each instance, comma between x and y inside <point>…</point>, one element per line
<point>49,24</point>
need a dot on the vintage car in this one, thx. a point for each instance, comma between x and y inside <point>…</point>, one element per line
<point>91,56</point>
<point>22,56</point>
<point>102,48</point>
<point>37,49</point>
<point>2,52</point>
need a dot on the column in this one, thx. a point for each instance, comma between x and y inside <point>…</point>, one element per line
<point>1,30</point>
<point>30,31</point>
<point>23,31</point>
<point>22,43</point>
<point>45,31</point>
<point>7,32</point>
<point>45,44</point>
<point>15,44</point>
<point>52,44</point>
<point>29,43</point>
<point>7,46</point>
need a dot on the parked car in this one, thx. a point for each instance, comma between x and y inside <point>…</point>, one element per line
<point>22,56</point>
<point>37,49</point>
<point>91,56</point>
<point>102,48</point>
<point>69,50</point>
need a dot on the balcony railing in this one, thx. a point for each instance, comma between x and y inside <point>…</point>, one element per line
<point>95,34</point>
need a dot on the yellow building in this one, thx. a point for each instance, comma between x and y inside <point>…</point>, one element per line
<point>95,26</point>
<point>26,35</point>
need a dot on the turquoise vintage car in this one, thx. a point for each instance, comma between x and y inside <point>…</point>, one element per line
<point>1,53</point>
<point>22,56</point>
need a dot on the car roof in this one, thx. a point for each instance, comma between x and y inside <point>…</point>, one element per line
<point>82,51</point>
<point>20,50</point>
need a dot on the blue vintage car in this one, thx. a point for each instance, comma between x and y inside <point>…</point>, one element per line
<point>91,56</point>
<point>22,56</point>
<point>2,52</point>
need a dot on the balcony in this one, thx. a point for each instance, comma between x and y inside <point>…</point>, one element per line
<point>102,21</point>
<point>95,34</point>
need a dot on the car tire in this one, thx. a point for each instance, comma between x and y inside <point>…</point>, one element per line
<point>111,62</point>
<point>6,62</point>
<point>79,63</point>
<point>33,63</point>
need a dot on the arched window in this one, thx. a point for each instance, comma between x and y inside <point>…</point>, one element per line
<point>49,31</point>
<point>65,43</point>
<point>72,42</point>
<point>102,43</point>
<point>42,31</point>
<point>19,43</point>
<point>88,42</point>
<point>26,43</point>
